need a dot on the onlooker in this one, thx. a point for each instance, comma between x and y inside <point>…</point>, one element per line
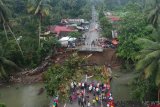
<point>94,102</point>
<point>88,104</point>
<point>79,100</point>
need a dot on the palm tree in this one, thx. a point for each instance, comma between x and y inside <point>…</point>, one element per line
<point>4,13</point>
<point>149,58</point>
<point>10,64</point>
<point>5,63</point>
<point>154,13</point>
<point>4,19</point>
<point>39,8</point>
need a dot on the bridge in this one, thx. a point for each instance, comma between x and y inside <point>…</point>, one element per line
<point>90,49</point>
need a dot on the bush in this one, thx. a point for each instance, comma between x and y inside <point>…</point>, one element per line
<point>2,105</point>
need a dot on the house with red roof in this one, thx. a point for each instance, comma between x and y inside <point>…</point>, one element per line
<point>61,31</point>
<point>113,18</point>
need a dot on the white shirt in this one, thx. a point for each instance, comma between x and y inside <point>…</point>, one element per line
<point>89,104</point>
<point>72,85</point>
<point>82,84</point>
<point>107,105</point>
<point>90,87</point>
<point>110,98</point>
<point>97,89</point>
<point>97,84</point>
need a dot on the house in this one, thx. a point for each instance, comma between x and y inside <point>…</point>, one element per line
<point>72,21</point>
<point>61,31</point>
<point>113,18</point>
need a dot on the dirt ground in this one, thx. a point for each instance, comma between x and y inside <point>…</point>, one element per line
<point>106,57</point>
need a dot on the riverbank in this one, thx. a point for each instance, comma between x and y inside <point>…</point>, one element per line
<point>36,75</point>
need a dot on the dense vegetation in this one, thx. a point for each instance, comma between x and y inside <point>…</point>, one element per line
<point>139,43</point>
<point>67,72</point>
<point>106,26</point>
<point>22,22</point>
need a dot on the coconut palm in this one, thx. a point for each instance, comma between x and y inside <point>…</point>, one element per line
<point>10,64</point>
<point>149,57</point>
<point>4,14</point>
<point>39,8</point>
<point>6,65</point>
<point>154,13</point>
<point>4,19</point>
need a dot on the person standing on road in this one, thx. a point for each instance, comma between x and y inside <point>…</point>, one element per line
<point>79,100</point>
<point>88,104</point>
<point>83,102</point>
<point>110,71</point>
<point>94,102</point>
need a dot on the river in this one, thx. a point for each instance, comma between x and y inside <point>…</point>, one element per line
<point>19,95</point>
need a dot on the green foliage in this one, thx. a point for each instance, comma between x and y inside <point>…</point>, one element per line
<point>4,12</point>
<point>129,31</point>
<point>59,77</point>
<point>25,25</point>
<point>7,66</point>
<point>2,105</point>
<point>75,34</point>
<point>149,58</point>
<point>49,47</point>
<point>105,25</point>
<point>153,12</point>
<point>144,90</point>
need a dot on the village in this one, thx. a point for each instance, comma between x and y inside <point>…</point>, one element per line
<point>72,33</point>
<point>79,53</point>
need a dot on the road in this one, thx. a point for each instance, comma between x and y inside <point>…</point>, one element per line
<point>92,34</point>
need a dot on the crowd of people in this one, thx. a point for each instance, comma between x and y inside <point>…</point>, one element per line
<point>91,94</point>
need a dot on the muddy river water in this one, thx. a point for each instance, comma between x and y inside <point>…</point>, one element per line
<point>19,95</point>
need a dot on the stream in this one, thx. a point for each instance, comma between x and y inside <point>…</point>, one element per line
<point>19,95</point>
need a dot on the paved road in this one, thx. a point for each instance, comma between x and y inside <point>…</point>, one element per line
<point>92,34</point>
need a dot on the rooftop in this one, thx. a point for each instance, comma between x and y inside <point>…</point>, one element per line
<point>58,29</point>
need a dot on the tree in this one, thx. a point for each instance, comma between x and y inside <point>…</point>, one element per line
<point>40,8</point>
<point>6,65</point>
<point>75,34</point>
<point>149,57</point>
<point>106,26</point>
<point>154,13</point>
<point>129,31</point>
<point>4,18</point>
<point>59,77</point>
<point>4,14</point>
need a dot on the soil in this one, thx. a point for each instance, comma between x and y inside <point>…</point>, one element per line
<point>108,56</point>
<point>36,75</point>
